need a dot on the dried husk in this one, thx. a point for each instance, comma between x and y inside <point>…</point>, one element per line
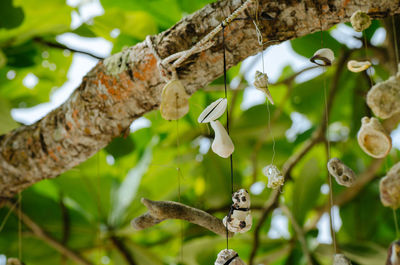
<point>343,174</point>
<point>222,144</point>
<point>261,83</point>
<point>389,187</point>
<point>357,66</point>
<point>323,57</point>
<point>275,177</point>
<point>174,101</point>
<point>213,111</point>
<point>228,254</point>
<point>373,138</point>
<point>360,21</point>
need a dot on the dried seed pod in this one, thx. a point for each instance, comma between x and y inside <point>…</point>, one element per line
<point>213,111</point>
<point>342,173</point>
<point>222,144</point>
<point>389,187</point>
<point>228,257</point>
<point>261,83</point>
<point>356,66</point>
<point>275,177</point>
<point>393,257</point>
<point>384,97</point>
<point>174,101</point>
<point>360,21</point>
<point>239,219</point>
<point>323,57</point>
<point>340,259</point>
<point>373,138</point>
<point>14,261</point>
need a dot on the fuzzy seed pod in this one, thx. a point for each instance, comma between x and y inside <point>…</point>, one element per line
<point>373,139</point>
<point>342,173</point>
<point>275,177</point>
<point>360,21</point>
<point>323,57</point>
<point>356,66</point>
<point>213,111</point>
<point>393,257</point>
<point>174,101</point>
<point>228,257</point>
<point>261,83</point>
<point>340,259</point>
<point>239,219</point>
<point>222,144</point>
<point>389,187</point>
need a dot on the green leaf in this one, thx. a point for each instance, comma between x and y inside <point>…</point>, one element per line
<point>120,146</point>
<point>309,44</point>
<point>7,123</point>
<point>10,16</point>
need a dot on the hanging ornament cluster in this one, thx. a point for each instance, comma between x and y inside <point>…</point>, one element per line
<point>344,175</point>
<point>389,187</point>
<point>228,257</point>
<point>360,21</point>
<point>393,257</point>
<point>274,175</point>
<point>174,100</point>
<point>239,219</point>
<point>261,83</point>
<point>373,138</point>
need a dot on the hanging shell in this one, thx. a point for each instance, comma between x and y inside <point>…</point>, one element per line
<point>360,21</point>
<point>275,177</point>
<point>373,139</point>
<point>384,97</point>
<point>241,199</point>
<point>342,173</point>
<point>393,257</point>
<point>323,57</point>
<point>356,66</point>
<point>261,83</point>
<point>174,101</point>
<point>239,219</point>
<point>389,187</point>
<point>228,257</point>
<point>213,111</point>
<point>222,144</point>
<point>340,259</point>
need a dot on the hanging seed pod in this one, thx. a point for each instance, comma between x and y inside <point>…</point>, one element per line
<point>174,101</point>
<point>342,173</point>
<point>228,257</point>
<point>360,21</point>
<point>356,66</point>
<point>222,144</point>
<point>373,139</point>
<point>239,219</point>
<point>340,259</point>
<point>389,187</point>
<point>275,177</point>
<point>384,97</point>
<point>323,57</point>
<point>261,83</point>
<point>393,257</point>
<point>213,111</point>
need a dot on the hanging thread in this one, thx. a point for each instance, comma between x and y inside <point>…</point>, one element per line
<point>19,226</point>
<point>396,48</point>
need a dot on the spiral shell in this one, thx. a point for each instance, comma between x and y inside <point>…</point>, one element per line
<point>323,57</point>
<point>228,257</point>
<point>222,144</point>
<point>342,173</point>
<point>389,187</point>
<point>275,177</point>
<point>360,21</point>
<point>261,83</point>
<point>213,111</point>
<point>174,101</point>
<point>373,139</point>
<point>356,66</point>
<point>340,259</point>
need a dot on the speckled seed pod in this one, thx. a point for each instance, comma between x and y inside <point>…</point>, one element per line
<point>174,101</point>
<point>343,174</point>
<point>356,66</point>
<point>275,177</point>
<point>393,257</point>
<point>360,21</point>
<point>384,97</point>
<point>340,259</point>
<point>323,57</point>
<point>261,83</point>
<point>389,187</point>
<point>222,144</point>
<point>213,111</point>
<point>228,257</point>
<point>373,138</point>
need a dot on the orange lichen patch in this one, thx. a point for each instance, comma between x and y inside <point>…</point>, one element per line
<point>115,93</point>
<point>75,117</point>
<point>103,96</point>
<point>325,8</point>
<point>69,125</point>
<point>146,68</point>
<point>345,3</point>
<point>59,148</point>
<point>87,131</point>
<point>52,155</point>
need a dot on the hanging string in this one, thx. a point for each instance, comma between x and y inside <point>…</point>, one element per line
<point>396,48</point>
<point>19,226</point>
<point>396,224</point>
<point>98,204</point>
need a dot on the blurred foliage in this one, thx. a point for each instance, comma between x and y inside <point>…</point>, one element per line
<point>89,205</point>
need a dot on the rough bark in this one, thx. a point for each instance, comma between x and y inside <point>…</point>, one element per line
<point>128,84</point>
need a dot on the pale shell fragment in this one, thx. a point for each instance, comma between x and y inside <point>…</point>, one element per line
<point>174,101</point>
<point>213,111</point>
<point>323,57</point>
<point>360,21</point>
<point>222,144</point>
<point>373,138</point>
<point>343,174</point>
<point>356,66</point>
<point>261,83</point>
<point>228,257</point>
<point>340,259</point>
<point>241,199</point>
<point>389,187</point>
<point>393,257</point>
<point>275,177</point>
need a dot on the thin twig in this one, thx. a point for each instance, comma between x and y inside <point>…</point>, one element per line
<point>120,246</point>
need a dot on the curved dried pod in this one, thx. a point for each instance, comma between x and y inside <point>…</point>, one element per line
<point>261,83</point>
<point>393,257</point>
<point>213,111</point>
<point>384,97</point>
<point>356,66</point>
<point>228,257</point>
<point>174,101</point>
<point>373,138</point>
<point>389,187</point>
<point>323,57</point>
<point>274,175</point>
<point>340,259</point>
<point>360,21</point>
<point>222,144</point>
<point>343,174</point>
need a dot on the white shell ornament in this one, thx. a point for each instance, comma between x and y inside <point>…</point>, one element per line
<point>393,257</point>
<point>275,177</point>
<point>356,66</point>
<point>340,259</point>
<point>373,138</point>
<point>239,219</point>
<point>323,57</point>
<point>213,111</point>
<point>360,21</point>
<point>228,257</point>
<point>389,187</point>
<point>222,144</point>
<point>343,174</point>
<point>261,83</point>
<point>174,101</point>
